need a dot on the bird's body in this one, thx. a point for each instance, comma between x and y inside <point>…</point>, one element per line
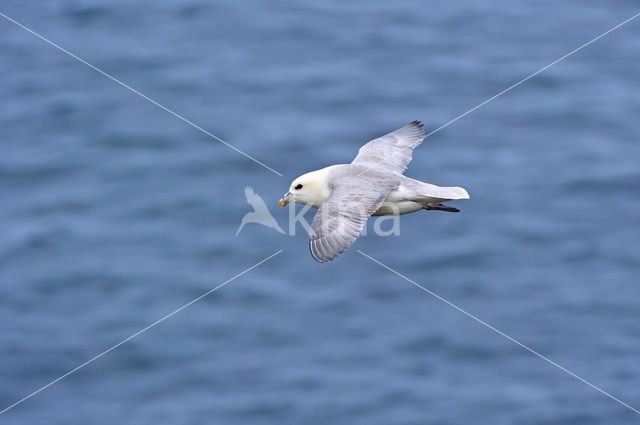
<point>407,196</point>
<point>373,184</point>
<point>413,195</point>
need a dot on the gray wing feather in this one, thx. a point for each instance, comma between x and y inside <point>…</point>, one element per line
<point>339,221</point>
<point>391,152</point>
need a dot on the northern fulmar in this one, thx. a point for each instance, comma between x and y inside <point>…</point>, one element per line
<point>346,195</point>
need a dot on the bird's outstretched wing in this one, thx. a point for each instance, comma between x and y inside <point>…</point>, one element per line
<point>340,219</point>
<point>391,152</point>
<point>249,193</point>
<point>255,200</point>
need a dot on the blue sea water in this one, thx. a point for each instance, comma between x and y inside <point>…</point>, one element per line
<point>115,213</point>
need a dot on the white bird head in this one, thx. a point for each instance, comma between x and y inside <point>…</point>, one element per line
<point>309,189</point>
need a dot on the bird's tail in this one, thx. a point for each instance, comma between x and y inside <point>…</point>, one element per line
<point>432,193</point>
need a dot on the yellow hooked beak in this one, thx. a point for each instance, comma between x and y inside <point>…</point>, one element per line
<point>285,199</point>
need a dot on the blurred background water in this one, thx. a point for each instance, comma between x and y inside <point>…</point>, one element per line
<point>114,213</point>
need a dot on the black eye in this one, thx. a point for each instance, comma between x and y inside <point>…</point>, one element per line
<point>298,187</point>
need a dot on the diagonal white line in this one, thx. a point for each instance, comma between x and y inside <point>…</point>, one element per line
<point>139,332</point>
<point>139,94</point>
<point>577,49</point>
<point>531,350</point>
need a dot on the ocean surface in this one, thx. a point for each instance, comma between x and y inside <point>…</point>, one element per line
<point>114,213</point>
